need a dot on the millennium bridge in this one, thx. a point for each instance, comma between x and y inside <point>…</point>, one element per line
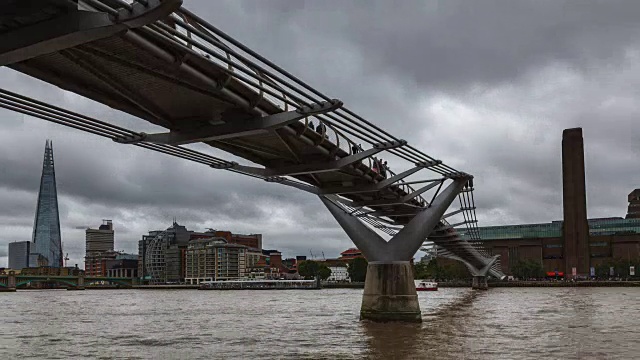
<point>159,62</point>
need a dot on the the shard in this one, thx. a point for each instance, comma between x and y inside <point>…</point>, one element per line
<point>46,249</point>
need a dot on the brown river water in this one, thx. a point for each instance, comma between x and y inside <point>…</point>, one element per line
<point>505,323</point>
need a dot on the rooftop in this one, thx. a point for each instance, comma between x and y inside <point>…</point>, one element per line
<point>598,226</point>
<point>351,251</point>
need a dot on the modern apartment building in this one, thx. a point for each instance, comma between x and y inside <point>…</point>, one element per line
<point>162,253</point>
<point>99,247</point>
<point>161,256</point>
<point>100,239</point>
<point>214,259</point>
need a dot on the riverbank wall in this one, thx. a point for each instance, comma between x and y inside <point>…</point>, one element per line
<point>547,284</point>
<point>459,284</point>
<point>465,284</point>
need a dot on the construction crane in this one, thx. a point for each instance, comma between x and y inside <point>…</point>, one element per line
<point>66,258</point>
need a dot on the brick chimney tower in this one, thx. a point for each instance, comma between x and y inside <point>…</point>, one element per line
<point>575,227</point>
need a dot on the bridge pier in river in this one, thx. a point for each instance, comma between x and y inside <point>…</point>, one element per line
<point>389,290</point>
<point>479,283</point>
<point>79,284</point>
<point>9,282</point>
<point>390,293</point>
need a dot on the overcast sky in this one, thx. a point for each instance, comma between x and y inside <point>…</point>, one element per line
<point>486,86</point>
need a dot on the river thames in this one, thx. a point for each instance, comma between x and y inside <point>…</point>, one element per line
<point>505,323</point>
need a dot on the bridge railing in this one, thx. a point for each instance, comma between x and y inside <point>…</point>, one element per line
<point>269,82</point>
<point>281,88</point>
<point>273,83</point>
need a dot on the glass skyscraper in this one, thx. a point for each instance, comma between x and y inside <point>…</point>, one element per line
<point>46,248</point>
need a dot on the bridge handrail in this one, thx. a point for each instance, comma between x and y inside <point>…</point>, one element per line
<point>303,93</point>
<point>343,119</point>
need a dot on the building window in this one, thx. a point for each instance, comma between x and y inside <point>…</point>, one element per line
<point>552,246</point>
<point>599,255</point>
<point>599,244</point>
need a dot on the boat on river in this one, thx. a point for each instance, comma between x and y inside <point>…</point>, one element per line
<point>427,286</point>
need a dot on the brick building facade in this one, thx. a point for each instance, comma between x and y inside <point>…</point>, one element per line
<point>576,243</point>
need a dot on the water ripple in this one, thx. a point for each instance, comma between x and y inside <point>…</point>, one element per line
<point>520,323</point>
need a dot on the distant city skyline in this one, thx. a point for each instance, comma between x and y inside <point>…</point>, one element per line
<point>46,226</point>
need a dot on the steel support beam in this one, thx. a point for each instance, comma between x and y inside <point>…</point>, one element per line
<point>374,187</point>
<point>452,226</point>
<point>312,168</point>
<point>336,164</point>
<point>75,28</point>
<point>486,270</point>
<point>241,128</point>
<point>400,200</point>
<point>366,240</point>
<point>400,212</point>
<point>408,240</point>
<point>443,236</point>
<point>487,267</point>
<point>458,212</point>
<point>296,184</point>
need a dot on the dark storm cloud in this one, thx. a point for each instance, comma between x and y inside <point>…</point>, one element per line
<point>442,43</point>
<point>486,86</point>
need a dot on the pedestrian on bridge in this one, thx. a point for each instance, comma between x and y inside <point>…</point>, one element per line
<point>383,169</point>
<point>321,129</point>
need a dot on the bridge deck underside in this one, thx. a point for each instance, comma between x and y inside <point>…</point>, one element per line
<point>116,72</point>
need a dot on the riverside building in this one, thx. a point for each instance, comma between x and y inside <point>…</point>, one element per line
<point>339,272</point>
<point>99,244</point>
<point>162,253</point>
<point>574,246</point>
<point>214,259</point>
<point>121,266</point>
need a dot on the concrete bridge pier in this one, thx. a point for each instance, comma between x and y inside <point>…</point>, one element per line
<point>479,283</point>
<point>79,284</point>
<point>389,290</point>
<point>390,293</point>
<point>11,283</point>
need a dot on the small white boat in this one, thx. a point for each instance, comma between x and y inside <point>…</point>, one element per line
<point>427,286</point>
